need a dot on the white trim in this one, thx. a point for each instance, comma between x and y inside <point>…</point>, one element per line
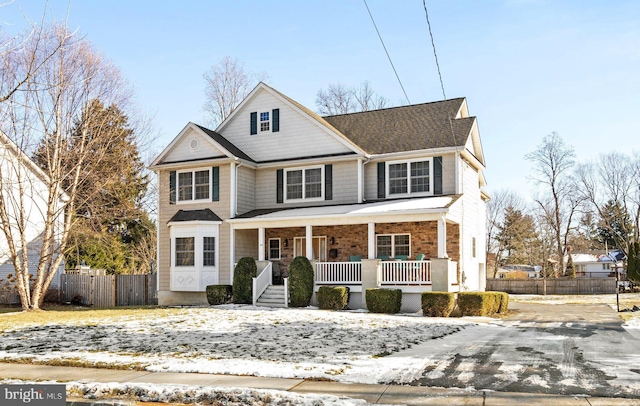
<point>279,249</point>
<point>304,184</point>
<point>261,237</point>
<point>193,185</point>
<point>196,277</point>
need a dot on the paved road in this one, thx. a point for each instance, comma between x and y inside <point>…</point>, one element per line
<point>541,348</point>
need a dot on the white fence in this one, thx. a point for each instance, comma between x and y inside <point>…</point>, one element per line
<point>343,273</point>
<point>405,273</point>
<point>262,281</point>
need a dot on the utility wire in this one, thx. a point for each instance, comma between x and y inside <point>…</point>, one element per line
<point>433,45</point>
<point>385,50</point>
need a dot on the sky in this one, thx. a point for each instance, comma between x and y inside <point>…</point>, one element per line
<point>526,67</point>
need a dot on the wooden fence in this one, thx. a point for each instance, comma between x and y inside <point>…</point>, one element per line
<point>109,290</point>
<point>568,286</point>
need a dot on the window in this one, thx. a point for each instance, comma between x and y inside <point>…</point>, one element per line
<point>194,185</point>
<point>274,248</point>
<point>473,247</point>
<point>185,251</point>
<point>209,251</point>
<point>304,183</point>
<point>392,245</point>
<point>264,121</point>
<point>409,177</point>
<point>319,248</point>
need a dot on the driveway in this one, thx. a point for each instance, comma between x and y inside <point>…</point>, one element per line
<point>541,348</point>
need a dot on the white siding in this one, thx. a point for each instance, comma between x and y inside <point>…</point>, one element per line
<point>345,187</point>
<point>473,226</point>
<point>246,189</point>
<point>299,135</point>
<point>183,151</point>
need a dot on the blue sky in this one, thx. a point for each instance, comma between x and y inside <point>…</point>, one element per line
<point>527,67</point>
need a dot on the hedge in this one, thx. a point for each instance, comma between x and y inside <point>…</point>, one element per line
<point>243,275</point>
<point>483,303</point>
<point>383,300</point>
<point>333,297</point>
<point>301,279</point>
<point>219,294</point>
<point>437,304</point>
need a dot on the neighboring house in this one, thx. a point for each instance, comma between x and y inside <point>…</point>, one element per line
<point>598,266</point>
<point>531,271</point>
<point>19,172</point>
<point>390,197</point>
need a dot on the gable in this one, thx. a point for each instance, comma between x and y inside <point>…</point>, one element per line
<point>298,135</point>
<point>190,145</point>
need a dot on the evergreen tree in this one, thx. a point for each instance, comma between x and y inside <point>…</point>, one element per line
<point>570,271</point>
<point>615,227</point>
<point>633,263</point>
<point>518,236</point>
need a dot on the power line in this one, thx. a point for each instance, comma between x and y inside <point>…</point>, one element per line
<point>435,54</point>
<point>433,45</point>
<point>385,50</point>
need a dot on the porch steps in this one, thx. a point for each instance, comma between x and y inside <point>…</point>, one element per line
<point>272,297</point>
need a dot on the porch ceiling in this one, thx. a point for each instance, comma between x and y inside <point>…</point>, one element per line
<point>421,209</point>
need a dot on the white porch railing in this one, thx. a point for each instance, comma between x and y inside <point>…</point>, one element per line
<point>262,282</point>
<point>286,292</point>
<point>405,273</point>
<point>342,273</point>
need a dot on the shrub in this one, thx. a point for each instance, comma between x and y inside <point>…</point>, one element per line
<point>219,294</point>
<point>383,300</point>
<point>333,297</point>
<point>483,303</point>
<point>243,275</point>
<point>300,282</point>
<point>437,304</point>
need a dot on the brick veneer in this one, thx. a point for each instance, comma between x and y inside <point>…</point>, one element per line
<point>352,240</point>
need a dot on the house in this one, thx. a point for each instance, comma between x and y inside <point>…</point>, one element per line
<point>518,271</point>
<point>598,266</point>
<point>389,197</point>
<point>19,172</point>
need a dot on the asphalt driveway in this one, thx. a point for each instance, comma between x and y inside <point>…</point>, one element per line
<point>541,348</point>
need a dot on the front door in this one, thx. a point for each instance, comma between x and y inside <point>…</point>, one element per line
<point>319,248</point>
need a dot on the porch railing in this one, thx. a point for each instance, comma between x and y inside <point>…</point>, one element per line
<point>343,273</point>
<point>262,282</point>
<point>405,273</point>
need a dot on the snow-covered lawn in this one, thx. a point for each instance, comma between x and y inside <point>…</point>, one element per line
<point>236,339</point>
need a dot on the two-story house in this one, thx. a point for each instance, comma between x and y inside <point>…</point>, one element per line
<point>397,190</point>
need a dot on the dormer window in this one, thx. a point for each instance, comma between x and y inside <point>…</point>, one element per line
<point>264,121</point>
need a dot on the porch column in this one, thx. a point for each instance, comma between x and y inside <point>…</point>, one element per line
<point>371,241</point>
<point>232,252</point>
<point>442,238</point>
<point>261,233</point>
<point>309,242</point>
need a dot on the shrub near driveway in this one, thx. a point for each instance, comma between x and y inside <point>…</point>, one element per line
<point>483,303</point>
<point>437,304</point>
<point>333,297</point>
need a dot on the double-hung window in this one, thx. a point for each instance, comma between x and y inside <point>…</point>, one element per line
<point>304,183</point>
<point>194,185</point>
<point>391,245</point>
<point>185,251</point>
<point>208,251</point>
<point>264,121</point>
<point>274,248</point>
<point>410,177</point>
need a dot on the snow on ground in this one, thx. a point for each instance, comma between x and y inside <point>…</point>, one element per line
<point>243,340</point>
<point>206,395</point>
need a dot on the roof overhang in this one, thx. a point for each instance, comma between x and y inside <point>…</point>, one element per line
<point>417,209</point>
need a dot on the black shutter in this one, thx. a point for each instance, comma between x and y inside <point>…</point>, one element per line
<point>215,183</point>
<point>328,182</point>
<point>381,181</point>
<point>254,123</point>
<point>172,187</point>
<point>275,117</point>
<point>437,175</point>
<point>280,186</point>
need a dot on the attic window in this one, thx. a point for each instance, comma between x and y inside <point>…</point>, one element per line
<point>264,121</point>
<point>194,143</point>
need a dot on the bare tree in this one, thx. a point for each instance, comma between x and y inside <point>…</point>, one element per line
<point>613,181</point>
<point>340,99</point>
<point>227,84</point>
<point>552,164</point>
<point>496,208</point>
<point>51,106</point>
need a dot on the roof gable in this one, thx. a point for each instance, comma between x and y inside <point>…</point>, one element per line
<point>299,128</point>
<point>195,143</point>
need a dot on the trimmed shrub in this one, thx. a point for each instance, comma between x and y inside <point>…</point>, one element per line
<point>219,294</point>
<point>438,304</point>
<point>300,282</point>
<point>383,300</point>
<point>243,275</point>
<point>483,303</point>
<point>333,297</point>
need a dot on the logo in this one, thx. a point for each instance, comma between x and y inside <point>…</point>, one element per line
<point>33,395</point>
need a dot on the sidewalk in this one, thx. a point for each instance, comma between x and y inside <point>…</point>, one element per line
<point>376,394</point>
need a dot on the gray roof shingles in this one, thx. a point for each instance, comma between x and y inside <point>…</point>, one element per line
<point>406,128</point>
<point>195,215</point>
